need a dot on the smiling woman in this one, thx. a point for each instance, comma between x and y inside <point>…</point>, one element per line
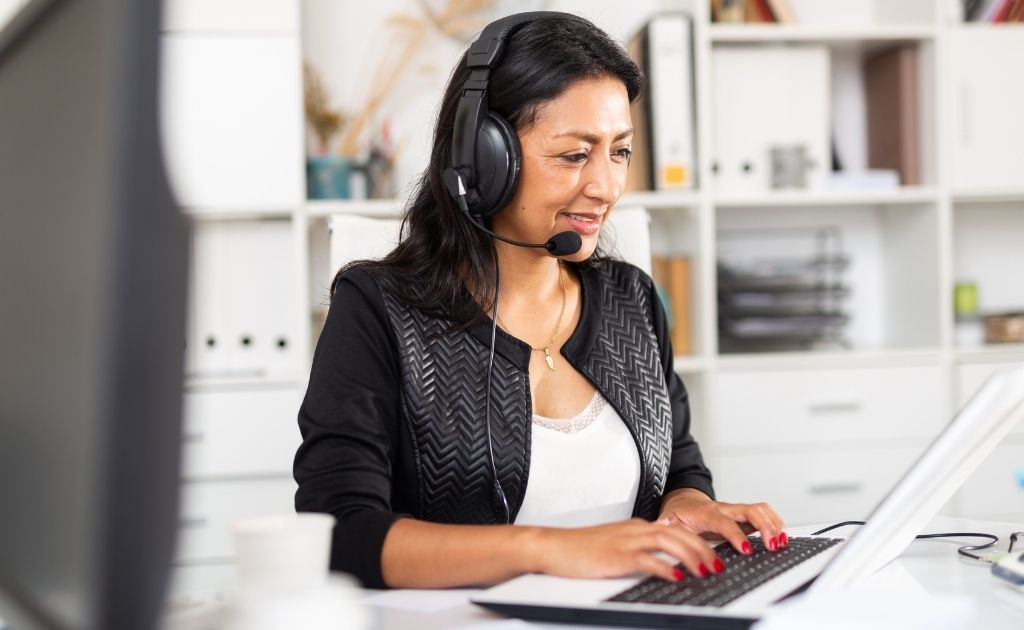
<point>453,451</point>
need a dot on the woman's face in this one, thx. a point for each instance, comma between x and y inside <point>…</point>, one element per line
<point>575,156</point>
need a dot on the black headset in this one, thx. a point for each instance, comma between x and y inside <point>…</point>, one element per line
<point>485,148</point>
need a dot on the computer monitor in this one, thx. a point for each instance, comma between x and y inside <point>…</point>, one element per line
<point>92,310</point>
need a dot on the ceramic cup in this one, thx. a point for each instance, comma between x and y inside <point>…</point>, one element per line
<point>283,553</point>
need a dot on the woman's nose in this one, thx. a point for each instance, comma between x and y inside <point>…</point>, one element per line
<point>603,180</point>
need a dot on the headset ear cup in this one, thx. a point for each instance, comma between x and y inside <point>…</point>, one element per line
<point>498,160</point>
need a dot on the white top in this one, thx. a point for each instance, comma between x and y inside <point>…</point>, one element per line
<point>584,470</point>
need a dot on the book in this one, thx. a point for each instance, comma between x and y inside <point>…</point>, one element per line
<point>758,12</point>
<point>672,275</point>
<point>891,85</point>
<point>728,10</point>
<point>638,175</point>
<point>783,11</point>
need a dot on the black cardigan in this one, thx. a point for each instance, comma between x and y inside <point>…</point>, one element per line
<point>392,422</point>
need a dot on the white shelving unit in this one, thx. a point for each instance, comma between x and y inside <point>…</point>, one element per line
<point>819,434</point>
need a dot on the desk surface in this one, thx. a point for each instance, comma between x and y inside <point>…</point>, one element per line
<point>934,564</point>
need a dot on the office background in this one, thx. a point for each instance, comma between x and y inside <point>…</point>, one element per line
<point>833,303</point>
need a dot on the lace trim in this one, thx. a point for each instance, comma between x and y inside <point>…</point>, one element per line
<point>580,421</point>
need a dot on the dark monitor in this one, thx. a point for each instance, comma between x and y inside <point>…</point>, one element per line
<point>92,309</point>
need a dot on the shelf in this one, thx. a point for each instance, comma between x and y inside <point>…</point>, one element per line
<point>911,195</point>
<point>773,33</point>
<point>660,199</point>
<point>689,364</point>
<point>996,195</point>
<point>375,208</point>
<point>769,361</point>
<point>197,383</point>
<point>1003,352</point>
<point>241,214</point>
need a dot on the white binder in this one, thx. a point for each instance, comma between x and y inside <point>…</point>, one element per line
<point>670,75</point>
<point>767,97</point>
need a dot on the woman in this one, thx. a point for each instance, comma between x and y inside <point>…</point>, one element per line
<point>579,461</point>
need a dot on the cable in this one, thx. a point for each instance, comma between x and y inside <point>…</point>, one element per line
<point>490,367</point>
<point>498,491</point>
<point>964,550</point>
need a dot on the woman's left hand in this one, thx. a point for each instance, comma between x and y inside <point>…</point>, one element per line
<point>694,510</point>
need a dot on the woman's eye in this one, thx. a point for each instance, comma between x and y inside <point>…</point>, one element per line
<point>625,154</point>
<point>575,157</point>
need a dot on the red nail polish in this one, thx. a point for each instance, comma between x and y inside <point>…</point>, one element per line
<point>719,565</point>
<point>677,572</point>
<point>784,538</point>
<point>704,570</point>
<point>773,544</point>
<point>747,549</point>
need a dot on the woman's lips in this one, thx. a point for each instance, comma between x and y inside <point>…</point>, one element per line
<point>585,224</point>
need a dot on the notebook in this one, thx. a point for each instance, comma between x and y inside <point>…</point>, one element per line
<point>814,562</point>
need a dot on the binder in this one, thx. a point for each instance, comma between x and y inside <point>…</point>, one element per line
<point>672,274</point>
<point>670,84</point>
<point>276,322</point>
<point>638,175</point>
<point>765,97</point>
<point>891,84</point>
<point>209,341</point>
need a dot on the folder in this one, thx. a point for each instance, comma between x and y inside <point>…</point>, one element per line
<point>671,110</point>
<point>891,84</point>
<point>672,275</point>
<point>209,339</point>
<point>764,98</point>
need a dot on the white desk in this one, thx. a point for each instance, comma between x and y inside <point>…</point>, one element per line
<point>934,564</point>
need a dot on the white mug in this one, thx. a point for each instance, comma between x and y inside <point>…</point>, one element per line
<point>283,553</point>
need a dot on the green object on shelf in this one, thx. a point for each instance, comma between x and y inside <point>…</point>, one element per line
<point>327,177</point>
<point>965,299</point>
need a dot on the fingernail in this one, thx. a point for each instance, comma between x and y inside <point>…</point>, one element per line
<point>719,566</point>
<point>773,544</point>
<point>678,573</point>
<point>704,570</point>
<point>784,538</point>
<point>747,549</point>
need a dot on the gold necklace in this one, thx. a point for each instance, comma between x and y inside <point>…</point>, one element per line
<point>548,359</point>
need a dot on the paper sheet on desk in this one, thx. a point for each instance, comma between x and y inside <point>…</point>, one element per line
<point>891,599</point>
<point>427,601</point>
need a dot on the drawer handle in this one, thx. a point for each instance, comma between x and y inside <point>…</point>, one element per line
<point>195,522</point>
<point>835,488</point>
<point>840,406</point>
<point>194,438</point>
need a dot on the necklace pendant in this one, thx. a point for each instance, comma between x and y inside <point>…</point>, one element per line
<point>549,360</point>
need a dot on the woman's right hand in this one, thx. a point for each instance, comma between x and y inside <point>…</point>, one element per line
<point>623,548</point>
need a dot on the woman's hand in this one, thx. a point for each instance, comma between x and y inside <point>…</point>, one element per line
<point>693,511</point>
<point>619,549</point>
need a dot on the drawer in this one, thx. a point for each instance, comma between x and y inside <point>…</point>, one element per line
<point>210,508</point>
<point>813,487</point>
<point>240,432</point>
<point>972,376</point>
<point>829,406</point>
<point>992,489</point>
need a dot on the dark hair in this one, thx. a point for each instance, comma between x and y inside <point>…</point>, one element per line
<point>442,261</point>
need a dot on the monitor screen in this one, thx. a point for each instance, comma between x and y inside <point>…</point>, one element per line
<point>92,310</point>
